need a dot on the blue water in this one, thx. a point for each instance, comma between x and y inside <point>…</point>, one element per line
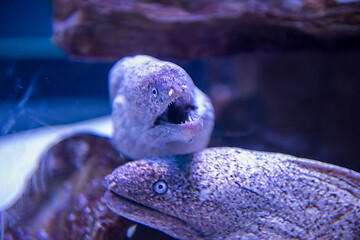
<point>42,92</point>
<point>39,86</point>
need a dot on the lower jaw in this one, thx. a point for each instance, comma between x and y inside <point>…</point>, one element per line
<point>185,133</point>
<point>192,128</point>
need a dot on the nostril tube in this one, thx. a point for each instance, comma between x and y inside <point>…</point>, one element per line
<point>184,88</point>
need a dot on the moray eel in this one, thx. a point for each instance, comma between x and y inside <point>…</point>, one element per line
<point>156,109</point>
<point>231,193</point>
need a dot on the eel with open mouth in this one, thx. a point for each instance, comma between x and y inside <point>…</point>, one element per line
<point>156,109</point>
<point>232,193</point>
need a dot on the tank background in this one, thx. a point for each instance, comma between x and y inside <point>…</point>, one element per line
<point>300,103</point>
<point>21,18</point>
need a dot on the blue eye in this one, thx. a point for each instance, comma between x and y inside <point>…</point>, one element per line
<point>154,91</point>
<point>160,187</point>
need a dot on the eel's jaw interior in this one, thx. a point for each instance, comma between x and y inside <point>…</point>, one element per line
<point>179,111</point>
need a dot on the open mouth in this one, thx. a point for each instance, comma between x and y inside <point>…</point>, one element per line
<point>178,111</point>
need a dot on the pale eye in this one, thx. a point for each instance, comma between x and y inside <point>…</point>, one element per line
<point>154,91</point>
<point>160,187</point>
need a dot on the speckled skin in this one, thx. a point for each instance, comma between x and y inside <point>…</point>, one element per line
<point>135,109</point>
<point>231,193</point>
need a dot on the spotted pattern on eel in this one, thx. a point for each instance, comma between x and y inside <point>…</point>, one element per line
<point>232,193</point>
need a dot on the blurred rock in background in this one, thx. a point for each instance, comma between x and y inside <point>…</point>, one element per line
<point>188,29</point>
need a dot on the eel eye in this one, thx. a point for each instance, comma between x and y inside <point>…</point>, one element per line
<point>154,91</point>
<point>160,187</point>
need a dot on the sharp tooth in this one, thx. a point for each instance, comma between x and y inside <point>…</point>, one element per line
<point>171,92</point>
<point>131,230</point>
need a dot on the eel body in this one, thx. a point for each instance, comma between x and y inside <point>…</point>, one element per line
<point>156,109</point>
<point>232,193</point>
